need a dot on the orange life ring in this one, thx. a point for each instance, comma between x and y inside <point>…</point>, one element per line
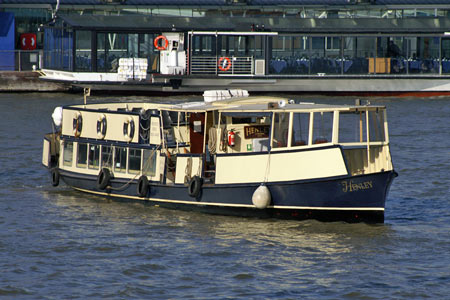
<point>166,43</point>
<point>224,67</point>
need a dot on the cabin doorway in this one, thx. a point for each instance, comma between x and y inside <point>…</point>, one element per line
<point>196,132</point>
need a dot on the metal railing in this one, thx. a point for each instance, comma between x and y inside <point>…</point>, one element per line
<point>20,60</point>
<point>232,65</point>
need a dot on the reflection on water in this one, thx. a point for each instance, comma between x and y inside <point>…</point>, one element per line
<point>60,243</point>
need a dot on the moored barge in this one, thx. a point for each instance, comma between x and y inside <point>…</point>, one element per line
<point>240,155</point>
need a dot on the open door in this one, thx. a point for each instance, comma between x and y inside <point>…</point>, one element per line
<point>196,132</point>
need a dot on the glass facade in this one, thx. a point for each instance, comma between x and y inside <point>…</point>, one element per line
<point>353,55</point>
<point>83,53</point>
<point>58,49</point>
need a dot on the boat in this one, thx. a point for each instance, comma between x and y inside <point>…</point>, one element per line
<point>230,154</point>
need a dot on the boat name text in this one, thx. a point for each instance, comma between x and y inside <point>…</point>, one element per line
<point>350,186</point>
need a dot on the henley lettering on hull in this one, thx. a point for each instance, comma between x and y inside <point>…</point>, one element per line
<point>238,155</point>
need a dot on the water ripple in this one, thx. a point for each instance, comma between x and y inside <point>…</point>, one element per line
<point>56,243</point>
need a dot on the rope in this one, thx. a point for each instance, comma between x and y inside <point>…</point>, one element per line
<point>132,179</point>
<point>212,140</point>
<point>224,140</point>
<point>188,170</point>
<point>266,175</point>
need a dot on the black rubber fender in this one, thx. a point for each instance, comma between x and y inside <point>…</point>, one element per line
<point>195,186</point>
<point>142,186</point>
<point>55,176</point>
<point>103,178</point>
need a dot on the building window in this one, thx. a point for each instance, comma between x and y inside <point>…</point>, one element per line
<point>83,51</point>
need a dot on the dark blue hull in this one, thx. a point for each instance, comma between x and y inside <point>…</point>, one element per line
<point>352,199</point>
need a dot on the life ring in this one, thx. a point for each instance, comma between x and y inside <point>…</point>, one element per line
<point>166,43</point>
<point>142,186</point>
<point>101,126</point>
<point>128,129</point>
<point>55,177</point>
<point>224,63</point>
<point>195,186</point>
<point>103,178</point>
<point>77,124</point>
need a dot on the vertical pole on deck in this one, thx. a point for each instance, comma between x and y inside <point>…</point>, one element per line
<point>358,103</point>
<point>335,135</point>
<point>311,128</point>
<point>86,93</point>
<point>360,127</point>
<point>290,129</point>
<point>178,128</point>
<point>368,140</point>
<point>202,166</point>
<point>204,132</point>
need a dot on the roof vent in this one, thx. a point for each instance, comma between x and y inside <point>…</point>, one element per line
<point>216,95</point>
<point>114,1</point>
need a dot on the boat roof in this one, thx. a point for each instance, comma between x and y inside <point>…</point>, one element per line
<point>252,104</point>
<point>266,104</point>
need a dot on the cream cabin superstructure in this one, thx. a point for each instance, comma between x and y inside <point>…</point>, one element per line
<point>272,142</point>
<point>237,142</point>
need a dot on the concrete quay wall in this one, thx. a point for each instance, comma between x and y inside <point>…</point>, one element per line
<point>28,81</point>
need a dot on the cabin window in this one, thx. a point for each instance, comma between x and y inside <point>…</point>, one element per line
<point>94,156</point>
<point>68,153</point>
<point>243,120</point>
<point>300,129</point>
<point>134,161</point>
<point>376,126</point>
<point>120,159</point>
<point>323,127</point>
<point>280,130</point>
<point>352,127</point>
<point>169,119</point>
<point>82,155</point>
<point>106,156</point>
<point>149,162</point>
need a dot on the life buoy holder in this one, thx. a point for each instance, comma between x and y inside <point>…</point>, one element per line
<point>77,124</point>
<point>128,129</point>
<point>101,126</point>
<point>55,177</point>
<point>103,178</point>
<point>142,186</point>
<point>157,46</point>
<point>195,186</point>
<point>224,63</point>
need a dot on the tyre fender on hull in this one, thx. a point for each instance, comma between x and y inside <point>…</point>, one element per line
<point>103,178</point>
<point>142,186</point>
<point>55,177</point>
<point>195,186</point>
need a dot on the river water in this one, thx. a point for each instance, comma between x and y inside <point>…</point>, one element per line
<point>56,243</point>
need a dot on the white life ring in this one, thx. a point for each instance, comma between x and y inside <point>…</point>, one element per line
<point>77,124</point>
<point>128,129</point>
<point>101,126</point>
